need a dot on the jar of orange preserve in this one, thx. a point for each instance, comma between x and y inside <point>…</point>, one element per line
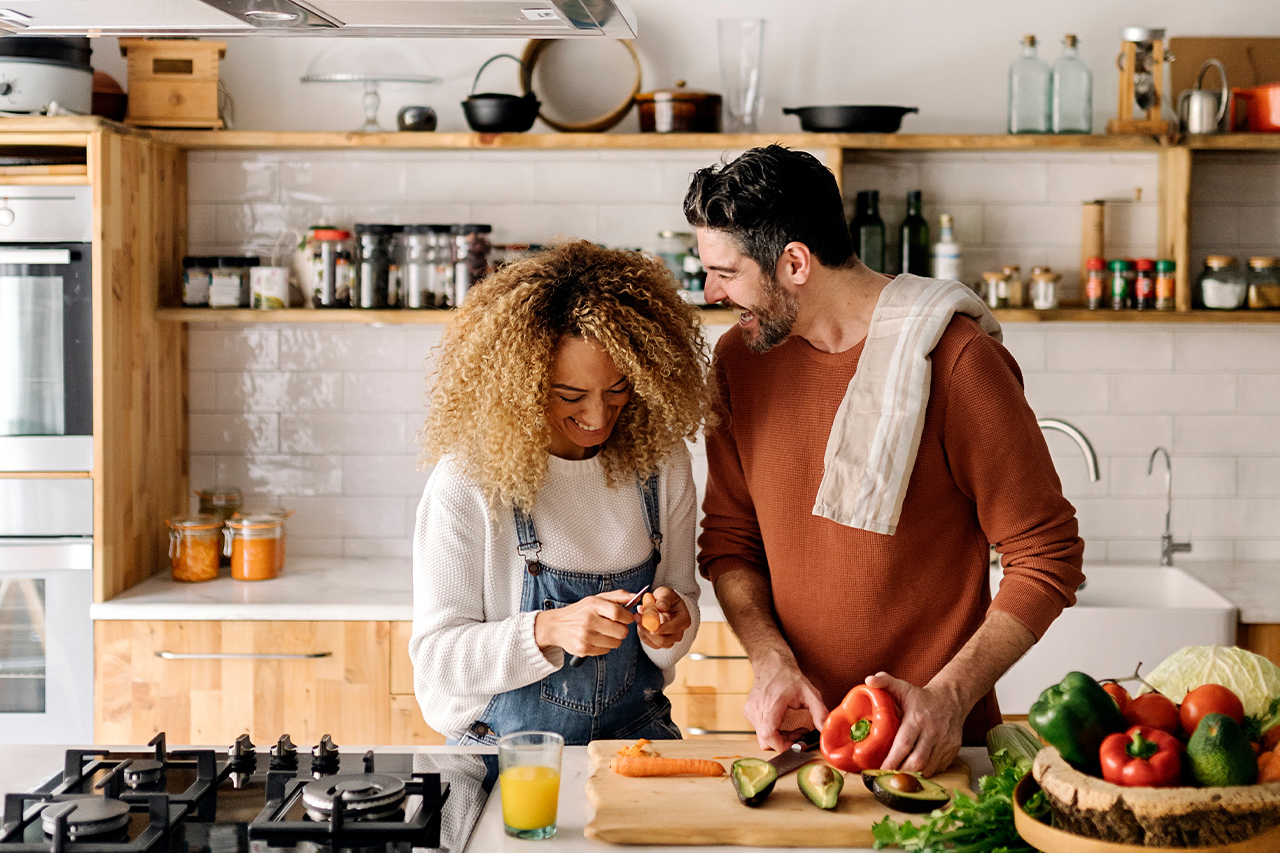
<point>253,543</point>
<point>274,512</point>
<point>193,547</point>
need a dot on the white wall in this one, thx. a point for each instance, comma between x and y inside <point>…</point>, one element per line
<point>950,59</point>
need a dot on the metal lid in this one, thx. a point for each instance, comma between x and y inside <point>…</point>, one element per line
<point>1166,265</point>
<point>72,52</point>
<point>1144,264</point>
<point>1120,264</point>
<point>1095,263</point>
<point>195,522</point>
<point>679,93</point>
<point>233,261</point>
<point>258,521</point>
<point>470,228</point>
<point>1141,35</point>
<point>381,229</point>
<point>1218,262</point>
<point>220,496</point>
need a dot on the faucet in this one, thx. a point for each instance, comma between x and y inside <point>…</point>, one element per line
<point>1167,546</point>
<point>1090,458</point>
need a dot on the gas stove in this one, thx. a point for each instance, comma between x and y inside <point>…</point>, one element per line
<point>237,801</point>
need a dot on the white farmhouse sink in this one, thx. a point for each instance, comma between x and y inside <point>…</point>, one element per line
<point>1124,615</point>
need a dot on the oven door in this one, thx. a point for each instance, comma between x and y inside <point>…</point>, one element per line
<point>46,640</point>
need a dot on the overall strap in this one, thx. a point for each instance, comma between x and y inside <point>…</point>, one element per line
<point>529,546</point>
<point>649,495</point>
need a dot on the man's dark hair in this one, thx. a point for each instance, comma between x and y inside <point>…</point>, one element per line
<point>770,197</point>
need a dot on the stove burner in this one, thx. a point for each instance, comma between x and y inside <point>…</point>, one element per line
<point>143,771</point>
<point>87,817</point>
<point>367,796</point>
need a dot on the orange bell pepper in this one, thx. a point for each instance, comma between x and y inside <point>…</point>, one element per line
<point>858,734</point>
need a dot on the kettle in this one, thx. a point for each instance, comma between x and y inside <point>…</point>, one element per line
<point>1201,110</point>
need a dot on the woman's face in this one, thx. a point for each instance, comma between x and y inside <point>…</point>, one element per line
<point>587,395</point>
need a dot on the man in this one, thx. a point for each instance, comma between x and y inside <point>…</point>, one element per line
<point>819,606</point>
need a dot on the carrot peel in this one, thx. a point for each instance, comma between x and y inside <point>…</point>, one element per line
<point>626,765</point>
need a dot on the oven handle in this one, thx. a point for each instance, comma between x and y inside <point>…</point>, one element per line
<point>35,256</point>
<point>241,656</point>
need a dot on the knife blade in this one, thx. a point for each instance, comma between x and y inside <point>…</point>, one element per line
<point>799,754</point>
<point>576,661</point>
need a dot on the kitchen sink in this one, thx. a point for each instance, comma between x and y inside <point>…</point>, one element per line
<point>1124,615</point>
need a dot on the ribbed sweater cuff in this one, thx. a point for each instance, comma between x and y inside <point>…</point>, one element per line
<point>1030,605</point>
<point>542,663</point>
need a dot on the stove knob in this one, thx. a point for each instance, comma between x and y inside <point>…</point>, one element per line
<point>6,216</point>
<point>324,756</point>
<point>284,755</point>
<point>6,88</point>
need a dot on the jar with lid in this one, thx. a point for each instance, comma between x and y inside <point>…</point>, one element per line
<point>1095,283</point>
<point>253,543</point>
<point>330,267</point>
<point>1044,289</point>
<point>1014,287</point>
<point>375,260</point>
<point>1221,286</point>
<point>195,282</point>
<point>442,266</point>
<point>274,512</point>
<point>470,257</point>
<point>1144,284</point>
<point>1166,283</point>
<point>673,246</point>
<point>220,503</point>
<point>1122,276</point>
<point>229,281</point>
<point>995,289</point>
<point>418,249</point>
<point>695,278</point>
<point>194,547</point>
<point>1264,282</point>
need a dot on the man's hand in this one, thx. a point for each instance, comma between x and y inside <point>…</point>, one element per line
<point>675,620</point>
<point>932,724</point>
<point>595,625</point>
<point>780,687</point>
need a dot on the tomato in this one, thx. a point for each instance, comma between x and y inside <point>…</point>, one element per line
<point>1209,699</point>
<point>1154,710</point>
<point>1118,693</point>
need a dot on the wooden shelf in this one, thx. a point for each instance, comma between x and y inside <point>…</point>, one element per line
<point>388,317</point>
<point>1234,142</point>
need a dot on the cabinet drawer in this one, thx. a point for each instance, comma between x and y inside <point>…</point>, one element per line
<point>710,713</point>
<point>407,725</point>
<point>190,100</point>
<point>401,666</point>
<point>716,661</point>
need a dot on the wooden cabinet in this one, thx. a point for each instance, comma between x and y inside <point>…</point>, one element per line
<point>711,685</point>
<point>209,682</point>
<point>407,725</point>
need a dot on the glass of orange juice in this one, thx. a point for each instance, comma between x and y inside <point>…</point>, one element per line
<point>529,776</point>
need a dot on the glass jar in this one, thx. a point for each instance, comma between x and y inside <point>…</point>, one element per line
<point>1166,283</point>
<point>1144,284</point>
<point>1264,283</point>
<point>1122,277</point>
<point>695,278</point>
<point>375,260</point>
<point>229,281</point>
<point>273,512</point>
<point>471,248</point>
<point>673,246</point>
<point>418,252</point>
<point>442,266</point>
<point>1222,285</point>
<point>1044,290</point>
<point>220,503</point>
<point>1013,285</point>
<point>194,547</point>
<point>330,267</point>
<point>995,289</point>
<point>253,542</point>
<point>1095,283</point>
<point>195,282</point>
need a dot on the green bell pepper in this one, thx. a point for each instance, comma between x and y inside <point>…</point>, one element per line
<point>1075,716</point>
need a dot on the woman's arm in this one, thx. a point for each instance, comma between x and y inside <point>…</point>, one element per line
<point>678,569</point>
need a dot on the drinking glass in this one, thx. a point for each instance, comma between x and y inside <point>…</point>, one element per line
<point>529,776</point>
<point>741,48</point>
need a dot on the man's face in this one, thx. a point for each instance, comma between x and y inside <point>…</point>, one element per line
<point>766,310</point>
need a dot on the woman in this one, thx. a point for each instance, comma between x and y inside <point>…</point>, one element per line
<point>566,386</point>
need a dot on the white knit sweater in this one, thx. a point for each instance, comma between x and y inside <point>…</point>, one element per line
<point>470,639</point>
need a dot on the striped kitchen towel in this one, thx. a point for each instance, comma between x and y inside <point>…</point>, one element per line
<point>874,439</point>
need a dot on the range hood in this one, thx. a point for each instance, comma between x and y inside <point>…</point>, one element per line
<point>223,18</point>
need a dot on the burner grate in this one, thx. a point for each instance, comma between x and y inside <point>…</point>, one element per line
<point>48,823</point>
<point>194,771</point>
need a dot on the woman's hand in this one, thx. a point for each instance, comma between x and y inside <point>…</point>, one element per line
<point>674,616</point>
<point>595,625</point>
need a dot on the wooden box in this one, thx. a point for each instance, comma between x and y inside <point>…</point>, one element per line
<point>173,82</point>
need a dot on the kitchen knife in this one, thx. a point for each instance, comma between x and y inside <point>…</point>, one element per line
<point>574,660</point>
<point>799,754</point>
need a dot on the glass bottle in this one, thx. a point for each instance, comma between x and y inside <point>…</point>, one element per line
<point>1222,285</point>
<point>1015,288</point>
<point>1029,82</point>
<point>867,230</point>
<point>1072,91</point>
<point>913,235</point>
<point>1264,282</point>
<point>1166,283</point>
<point>1122,280</point>
<point>946,252</point>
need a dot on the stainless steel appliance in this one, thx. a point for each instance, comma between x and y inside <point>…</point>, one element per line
<point>46,329</point>
<point>234,800</point>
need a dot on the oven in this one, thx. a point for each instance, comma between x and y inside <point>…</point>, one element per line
<point>46,329</point>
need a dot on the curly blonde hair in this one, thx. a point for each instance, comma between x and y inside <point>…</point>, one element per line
<point>493,368</point>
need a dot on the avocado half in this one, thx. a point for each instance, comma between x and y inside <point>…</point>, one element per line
<point>753,780</point>
<point>821,783</point>
<point>905,791</point>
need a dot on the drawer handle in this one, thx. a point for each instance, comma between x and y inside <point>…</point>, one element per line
<point>701,656</point>
<point>696,731</point>
<point>241,656</point>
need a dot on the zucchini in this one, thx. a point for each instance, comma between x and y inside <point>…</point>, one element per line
<point>1012,745</point>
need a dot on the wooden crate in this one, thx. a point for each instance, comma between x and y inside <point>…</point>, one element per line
<point>173,82</point>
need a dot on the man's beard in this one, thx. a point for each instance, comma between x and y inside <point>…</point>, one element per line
<point>776,315</point>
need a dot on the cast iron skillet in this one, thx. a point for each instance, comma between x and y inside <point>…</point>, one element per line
<point>846,119</point>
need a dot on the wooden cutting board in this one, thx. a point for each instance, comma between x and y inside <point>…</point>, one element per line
<point>702,810</point>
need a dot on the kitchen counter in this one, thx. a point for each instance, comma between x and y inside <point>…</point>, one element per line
<point>23,767</point>
<point>1253,587</point>
<point>313,589</point>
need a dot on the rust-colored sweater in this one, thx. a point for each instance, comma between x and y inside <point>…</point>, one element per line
<point>851,602</point>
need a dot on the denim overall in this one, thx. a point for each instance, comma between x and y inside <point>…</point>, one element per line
<point>612,696</point>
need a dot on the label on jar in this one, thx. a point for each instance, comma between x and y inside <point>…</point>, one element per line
<point>224,289</point>
<point>195,287</point>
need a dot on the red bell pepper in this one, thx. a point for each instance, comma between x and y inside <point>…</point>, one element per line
<point>858,733</point>
<point>1142,757</point>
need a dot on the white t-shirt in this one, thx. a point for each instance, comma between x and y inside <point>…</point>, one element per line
<point>470,639</point>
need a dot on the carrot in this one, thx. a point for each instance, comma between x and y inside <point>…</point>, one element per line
<point>637,749</point>
<point>649,766</point>
<point>650,618</point>
<point>1271,739</point>
<point>1268,768</point>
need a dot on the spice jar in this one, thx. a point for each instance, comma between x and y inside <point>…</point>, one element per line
<point>1044,290</point>
<point>1122,277</point>
<point>229,281</point>
<point>1095,283</point>
<point>1165,284</point>
<point>1221,285</point>
<point>195,282</point>
<point>330,267</point>
<point>1264,283</point>
<point>470,257</point>
<point>996,289</point>
<point>418,249</point>
<point>375,262</point>
<point>253,543</point>
<point>193,547</point>
<point>1144,283</point>
<point>1013,286</point>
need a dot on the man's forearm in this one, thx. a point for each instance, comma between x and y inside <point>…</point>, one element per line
<point>997,645</point>
<point>747,602</point>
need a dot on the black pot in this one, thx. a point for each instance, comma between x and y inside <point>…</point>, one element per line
<point>850,119</point>
<point>492,112</point>
<point>416,118</point>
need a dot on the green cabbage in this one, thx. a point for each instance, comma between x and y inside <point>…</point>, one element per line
<point>1252,677</point>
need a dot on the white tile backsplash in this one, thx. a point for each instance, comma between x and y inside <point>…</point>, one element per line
<point>325,419</point>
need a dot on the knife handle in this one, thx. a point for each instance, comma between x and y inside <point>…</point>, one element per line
<point>576,661</point>
<point>808,742</point>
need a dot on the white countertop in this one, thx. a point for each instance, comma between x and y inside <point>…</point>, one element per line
<point>313,589</point>
<point>23,767</point>
<point>1253,587</point>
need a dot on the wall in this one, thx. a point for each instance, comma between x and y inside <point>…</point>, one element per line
<point>323,418</point>
<point>948,59</point>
